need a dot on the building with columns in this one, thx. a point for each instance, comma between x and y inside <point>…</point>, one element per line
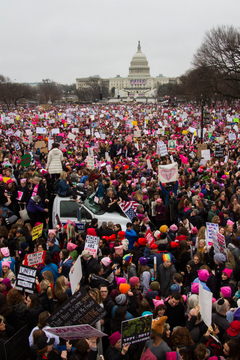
<point>138,84</point>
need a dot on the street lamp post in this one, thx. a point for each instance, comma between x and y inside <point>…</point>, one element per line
<point>202,123</point>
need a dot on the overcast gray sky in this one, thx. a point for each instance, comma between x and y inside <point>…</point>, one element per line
<point>63,40</point>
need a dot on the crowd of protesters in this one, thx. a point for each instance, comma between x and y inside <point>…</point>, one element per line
<point>128,277</point>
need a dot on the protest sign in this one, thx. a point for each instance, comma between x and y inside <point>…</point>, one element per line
<point>80,308</point>
<point>232,136</point>
<point>205,303</point>
<point>91,244</point>
<point>200,148</point>
<point>137,133</point>
<point>168,173</point>
<point>163,149</point>
<point>172,144</point>
<point>75,274</point>
<point>206,154</point>
<point>90,162</point>
<point>149,237</point>
<point>219,151</point>
<point>76,332</point>
<point>17,347</point>
<point>219,244</point>
<point>40,144</point>
<point>153,207</point>
<point>55,131</point>
<point>71,136</point>
<point>35,258</point>
<point>26,160</point>
<point>19,197</point>
<point>9,132</point>
<point>26,278</point>
<point>37,232</point>
<point>210,228</point>
<point>42,131</point>
<point>136,330</point>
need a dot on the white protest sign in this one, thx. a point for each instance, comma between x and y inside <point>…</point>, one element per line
<point>75,130</point>
<point>75,274</point>
<point>232,136</point>
<point>55,131</point>
<point>210,228</point>
<point>28,132</point>
<point>88,132</point>
<point>90,162</point>
<point>42,131</point>
<point>91,244</point>
<point>75,332</point>
<point>137,133</point>
<point>168,173</point>
<point>50,142</point>
<point>163,150</point>
<point>205,303</point>
<point>71,136</point>
<point>9,132</point>
<point>219,243</point>
<point>206,154</point>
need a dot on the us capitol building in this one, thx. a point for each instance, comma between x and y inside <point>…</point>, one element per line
<point>139,84</point>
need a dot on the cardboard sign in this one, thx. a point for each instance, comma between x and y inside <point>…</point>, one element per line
<point>80,308</point>
<point>163,149</point>
<point>40,144</point>
<point>149,237</point>
<point>200,148</point>
<point>168,173</point>
<point>26,279</point>
<point>35,258</point>
<point>91,244</point>
<point>76,332</point>
<point>17,347</point>
<point>37,232</point>
<point>205,302</point>
<point>219,151</point>
<point>136,330</point>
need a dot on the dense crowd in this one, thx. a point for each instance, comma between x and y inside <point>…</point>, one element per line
<point>130,276</point>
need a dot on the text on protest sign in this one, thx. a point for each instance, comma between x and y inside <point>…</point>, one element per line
<point>37,232</point>
<point>149,237</point>
<point>76,332</point>
<point>91,244</point>
<point>80,308</point>
<point>210,228</point>
<point>35,258</point>
<point>136,330</point>
<point>26,279</point>
<point>219,243</point>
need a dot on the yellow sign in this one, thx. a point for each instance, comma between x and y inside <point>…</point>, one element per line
<point>134,123</point>
<point>37,232</point>
<point>184,132</point>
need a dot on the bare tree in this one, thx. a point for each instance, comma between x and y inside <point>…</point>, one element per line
<point>49,91</point>
<point>220,52</point>
<point>11,93</point>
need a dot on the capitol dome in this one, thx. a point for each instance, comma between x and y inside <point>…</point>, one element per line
<point>139,65</point>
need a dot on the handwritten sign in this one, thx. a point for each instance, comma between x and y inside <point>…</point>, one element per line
<point>91,244</point>
<point>37,232</point>
<point>35,258</point>
<point>76,332</point>
<point>136,330</point>
<point>80,308</point>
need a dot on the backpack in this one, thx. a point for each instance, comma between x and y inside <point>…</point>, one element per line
<point>55,185</point>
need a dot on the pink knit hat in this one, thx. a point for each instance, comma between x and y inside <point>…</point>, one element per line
<point>195,288</point>
<point>203,275</point>
<point>173,227</point>
<point>6,263</point>
<point>156,303</point>
<point>5,251</point>
<point>226,291</point>
<point>230,222</point>
<point>134,280</point>
<point>106,261</point>
<point>114,338</point>
<point>120,280</point>
<point>71,247</point>
<point>227,272</point>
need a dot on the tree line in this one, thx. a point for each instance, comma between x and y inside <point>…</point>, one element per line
<point>215,72</point>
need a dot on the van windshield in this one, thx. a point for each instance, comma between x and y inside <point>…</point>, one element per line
<point>94,207</point>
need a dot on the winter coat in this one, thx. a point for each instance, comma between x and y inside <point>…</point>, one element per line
<point>34,208</point>
<point>165,276</point>
<point>32,316</point>
<point>114,354</point>
<point>54,270</point>
<point>66,266</point>
<point>54,161</point>
<point>160,208</point>
<point>131,235</point>
<point>145,279</point>
<point>20,312</point>
<point>235,252</point>
<point>62,187</point>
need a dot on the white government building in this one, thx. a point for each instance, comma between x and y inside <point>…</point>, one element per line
<point>138,85</point>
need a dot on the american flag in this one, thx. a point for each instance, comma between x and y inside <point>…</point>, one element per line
<point>129,208</point>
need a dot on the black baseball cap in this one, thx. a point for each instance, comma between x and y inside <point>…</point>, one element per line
<point>44,341</point>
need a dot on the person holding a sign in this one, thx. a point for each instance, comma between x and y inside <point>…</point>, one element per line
<point>114,350</point>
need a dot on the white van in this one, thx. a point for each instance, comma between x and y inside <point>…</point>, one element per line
<point>67,209</point>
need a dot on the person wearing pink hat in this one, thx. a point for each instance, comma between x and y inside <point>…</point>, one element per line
<point>6,272</point>
<point>5,256</point>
